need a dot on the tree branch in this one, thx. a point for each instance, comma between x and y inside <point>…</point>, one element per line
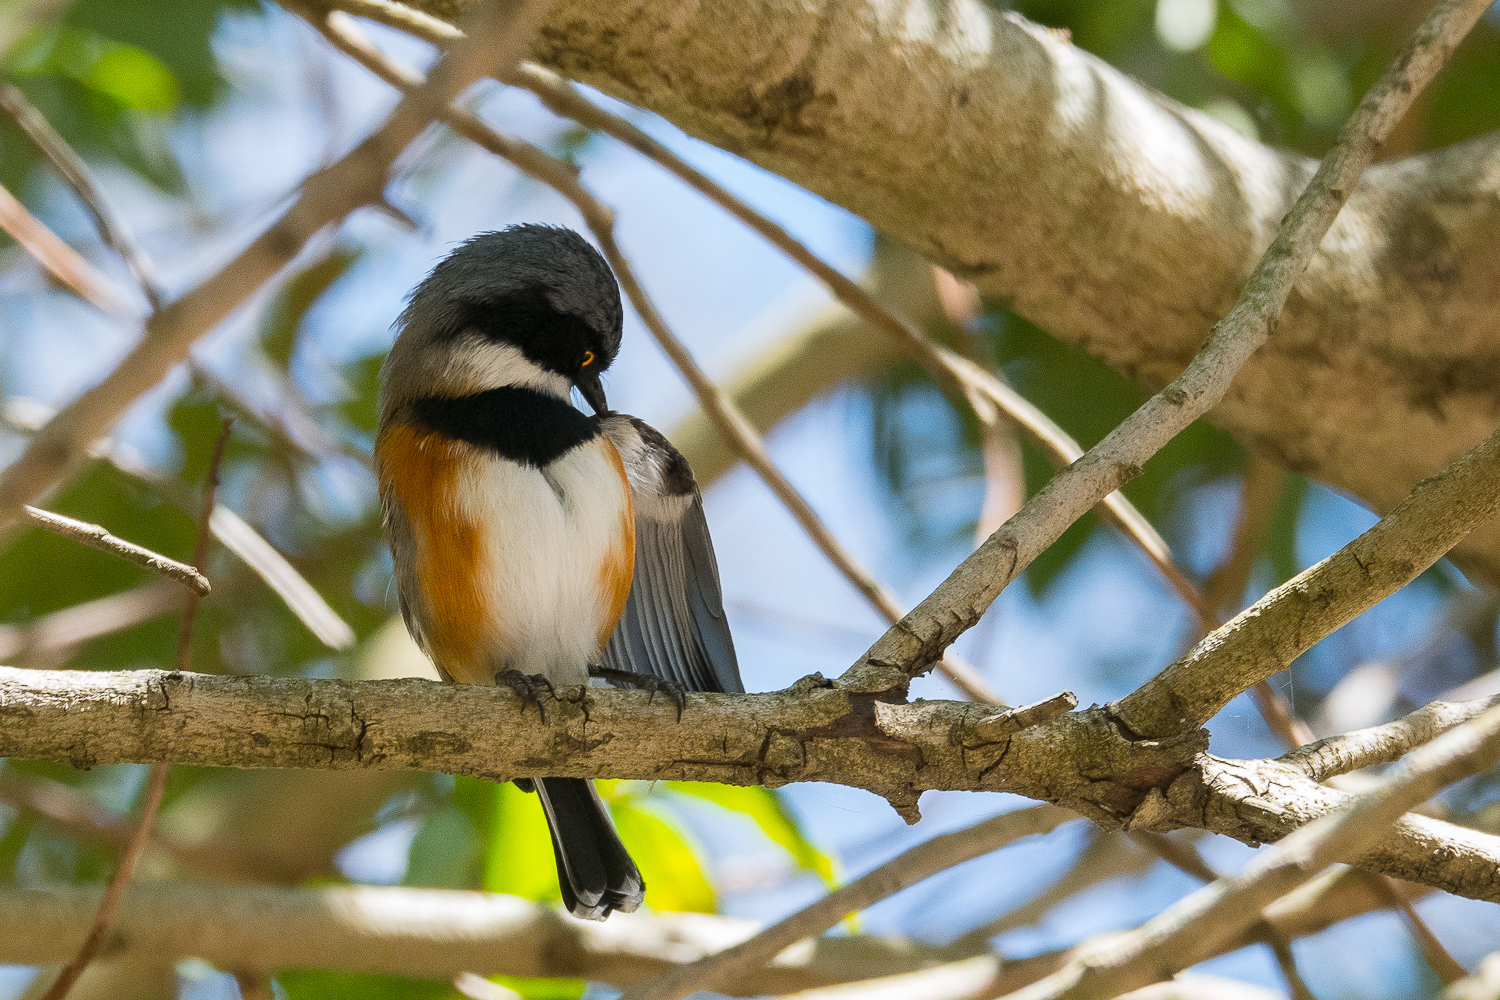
<point>96,537</point>
<point>1151,213</point>
<point>1192,930</point>
<point>969,590</point>
<point>906,869</point>
<point>1266,637</point>
<point>425,934</point>
<point>501,34</point>
<point>811,732</point>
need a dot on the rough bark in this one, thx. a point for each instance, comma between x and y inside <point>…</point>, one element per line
<point>1116,219</point>
<point>812,732</point>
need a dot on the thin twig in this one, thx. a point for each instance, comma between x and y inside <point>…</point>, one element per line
<point>1438,957</point>
<point>76,174</point>
<point>60,260</point>
<point>961,599</point>
<point>156,784</point>
<point>232,531</point>
<point>926,859</point>
<point>500,34</point>
<point>97,537</point>
<point>344,33</point>
<point>200,550</point>
<point>1286,961</point>
<point>1351,751</point>
<point>104,916</point>
<point>1194,928</point>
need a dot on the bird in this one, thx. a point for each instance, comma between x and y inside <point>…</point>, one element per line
<point>535,545</point>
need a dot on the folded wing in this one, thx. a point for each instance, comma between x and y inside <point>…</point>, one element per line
<point>673,625</point>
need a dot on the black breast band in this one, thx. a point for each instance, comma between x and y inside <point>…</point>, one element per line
<point>517,423</point>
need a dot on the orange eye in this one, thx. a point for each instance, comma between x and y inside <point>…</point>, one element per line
<point>588,358</point>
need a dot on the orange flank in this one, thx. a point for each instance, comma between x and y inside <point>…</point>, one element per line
<point>618,565</point>
<point>421,469</point>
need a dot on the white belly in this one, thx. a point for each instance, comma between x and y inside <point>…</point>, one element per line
<point>546,539</point>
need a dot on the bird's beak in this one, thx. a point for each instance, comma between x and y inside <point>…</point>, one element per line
<point>593,392</point>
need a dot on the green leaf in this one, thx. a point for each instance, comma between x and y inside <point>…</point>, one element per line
<point>126,74</point>
<point>767,809</point>
<point>322,984</point>
<point>283,323</point>
<point>666,857</point>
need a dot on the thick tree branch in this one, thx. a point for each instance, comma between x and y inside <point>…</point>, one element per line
<point>967,593</point>
<point>424,933</point>
<point>1114,218</point>
<point>811,732</point>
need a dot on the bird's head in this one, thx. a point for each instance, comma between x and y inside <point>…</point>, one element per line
<point>532,306</point>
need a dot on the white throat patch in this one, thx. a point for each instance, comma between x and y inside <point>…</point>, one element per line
<point>476,365</point>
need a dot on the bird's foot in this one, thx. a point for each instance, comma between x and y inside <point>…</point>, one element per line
<point>529,687</point>
<point>646,682</point>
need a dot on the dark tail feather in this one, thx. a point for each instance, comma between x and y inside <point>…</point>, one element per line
<point>594,870</point>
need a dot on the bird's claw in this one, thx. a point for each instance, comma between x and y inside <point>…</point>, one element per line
<point>646,682</point>
<point>529,687</point>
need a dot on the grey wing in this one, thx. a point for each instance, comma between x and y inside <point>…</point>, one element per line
<point>673,625</point>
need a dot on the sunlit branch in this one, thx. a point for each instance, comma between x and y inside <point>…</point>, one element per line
<point>1191,930</point>
<point>96,537</point>
<point>961,599</point>
<point>811,732</point>
<point>906,869</point>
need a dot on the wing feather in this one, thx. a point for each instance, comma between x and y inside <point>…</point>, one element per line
<point>673,625</point>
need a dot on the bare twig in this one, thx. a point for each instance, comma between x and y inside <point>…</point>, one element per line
<point>1383,744</point>
<point>156,784</point>
<point>60,260</point>
<point>200,549</point>
<point>1287,963</point>
<point>344,33</point>
<point>961,599</point>
<point>1438,957</point>
<point>499,36</point>
<point>1270,634</point>
<point>926,859</point>
<point>97,537</point>
<point>1188,931</point>
<point>229,528</point>
<point>76,174</point>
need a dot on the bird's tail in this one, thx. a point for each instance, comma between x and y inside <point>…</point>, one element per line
<point>594,870</point>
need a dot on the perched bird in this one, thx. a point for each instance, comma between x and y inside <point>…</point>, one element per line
<point>535,545</point>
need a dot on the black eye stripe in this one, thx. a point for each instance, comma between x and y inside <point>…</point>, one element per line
<point>527,318</point>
